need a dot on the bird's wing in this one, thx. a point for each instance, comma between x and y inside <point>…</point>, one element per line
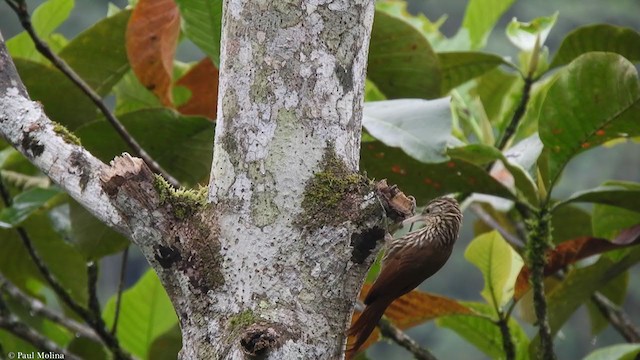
<point>396,270</point>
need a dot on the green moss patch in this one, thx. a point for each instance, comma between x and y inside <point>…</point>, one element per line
<point>65,134</point>
<point>332,192</point>
<point>184,202</point>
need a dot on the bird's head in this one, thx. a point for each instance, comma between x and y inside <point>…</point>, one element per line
<point>439,209</point>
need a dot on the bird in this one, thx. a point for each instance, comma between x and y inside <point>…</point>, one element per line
<point>408,261</point>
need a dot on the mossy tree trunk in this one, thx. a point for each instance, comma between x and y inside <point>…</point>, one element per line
<point>270,261</point>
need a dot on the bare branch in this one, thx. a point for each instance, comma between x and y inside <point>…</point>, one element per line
<point>399,337</point>
<point>36,307</point>
<point>16,327</point>
<point>486,218</point>
<point>617,317</point>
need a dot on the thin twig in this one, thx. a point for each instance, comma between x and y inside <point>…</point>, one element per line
<point>92,289</point>
<point>36,307</point>
<point>388,330</point>
<point>617,317</point>
<point>123,270</point>
<point>95,322</point>
<point>12,324</point>
<point>517,115</point>
<point>486,218</point>
<point>58,62</point>
<point>507,341</point>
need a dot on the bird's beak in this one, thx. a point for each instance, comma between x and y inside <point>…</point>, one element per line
<point>411,220</point>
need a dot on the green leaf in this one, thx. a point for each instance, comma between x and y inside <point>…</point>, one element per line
<point>98,54</point>
<point>479,154</point>
<point>62,100</point>
<point>131,95</point>
<point>202,24</point>
<point>145,313</point>
<point>480,18</point>
<point>45,19</point>
<point>428,28</point>
<point>570,222</point>
<point>615,193</point>
<point>371,92</point>
<point>181,144</point>
<point>581,283</point>
<point>460,67</point>
<point>167,345</point>
<point>421,128</point>
<point>483,333</point>
<point>608,220</point>
<point>427,181</point>
<point>500,93</point>
<point>595,99</point>
<point>525,34</point>
<point>499,264</point>
<point>599,37</point>
<point>64,262</point>
<point>401,61</point>
<point>619,352</point>
<point>88,349</point>
<point>91,237</point>
<point>25,204</point>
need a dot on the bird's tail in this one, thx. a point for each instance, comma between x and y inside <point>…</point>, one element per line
<point>365,324</point>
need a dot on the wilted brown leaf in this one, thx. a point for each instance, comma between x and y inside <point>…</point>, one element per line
<point>202,81</point>
<point>571,251</point>
<point>152,37</point>
<point>412,309</point>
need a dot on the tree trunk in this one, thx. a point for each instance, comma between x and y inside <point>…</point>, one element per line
<point>270,261</point>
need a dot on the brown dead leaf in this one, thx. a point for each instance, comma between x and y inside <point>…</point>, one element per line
<point>152,37</point>
<point>413,309</point>
<point>571,251</point>
<point>202,81</point>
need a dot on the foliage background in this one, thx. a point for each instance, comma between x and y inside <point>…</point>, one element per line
<point>459,279</point>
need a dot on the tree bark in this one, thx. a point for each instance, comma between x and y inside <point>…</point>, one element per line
<point>270,261</point>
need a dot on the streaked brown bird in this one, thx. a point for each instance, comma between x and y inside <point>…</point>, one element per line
<point>408,261</point>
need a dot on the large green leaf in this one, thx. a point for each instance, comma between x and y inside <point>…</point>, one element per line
<point>202,24</point>
<point>599,37</point>
<point>460,67</point>
<point>64,262</point>
<point>62,100</point>
<point>595,99</point>
<point>499,264</point>
<point>401,61</point>
<point>131,95</point>
<point>92,237</point>
<point>426,181</point>
<point>98,54</point>
<point>617,352</point>
<point>145,313</point>
<point>25,204</point>
<point>181,144</point>
<point>480,18</point>
<point>483,333</point>
<point>479,154</point>
<point>570,222</point>
<point>422,128</point>
<point>616,193</point>
<point>500,93</point>
<point>580,284</point>
<point>45,19</point>
<point>609,220</point>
